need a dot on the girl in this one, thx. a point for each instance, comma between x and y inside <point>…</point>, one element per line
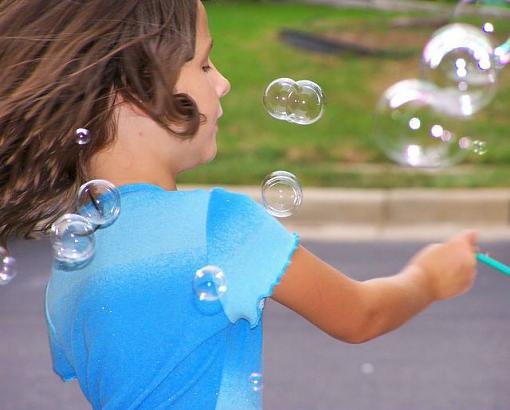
<point>128,326</point>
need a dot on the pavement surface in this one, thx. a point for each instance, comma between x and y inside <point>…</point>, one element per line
<point>453,356</point>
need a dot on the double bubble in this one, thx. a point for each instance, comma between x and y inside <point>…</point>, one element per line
<point>298,102</point>
<point>73,235</point>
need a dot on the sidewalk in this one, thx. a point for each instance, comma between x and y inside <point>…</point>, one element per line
<point>429,7</point>
<point>396,214</point>
<point>389,5</point>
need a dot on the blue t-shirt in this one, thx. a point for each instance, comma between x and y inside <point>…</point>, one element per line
<point>129,326</point>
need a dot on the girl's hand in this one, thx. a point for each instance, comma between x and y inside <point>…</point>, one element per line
<point>450,267</point>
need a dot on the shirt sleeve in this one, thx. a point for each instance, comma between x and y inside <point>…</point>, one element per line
<point>61,365</point>
<point>252,249</point>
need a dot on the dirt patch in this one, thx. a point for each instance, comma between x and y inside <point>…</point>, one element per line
<point>387,39</point>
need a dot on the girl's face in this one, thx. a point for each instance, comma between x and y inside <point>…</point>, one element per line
<point>200,79</point>
<point>144,151</point>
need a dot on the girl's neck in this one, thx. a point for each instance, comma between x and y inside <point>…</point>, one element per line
<point>121,171</point>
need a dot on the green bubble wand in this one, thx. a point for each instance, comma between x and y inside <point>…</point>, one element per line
<point>493,263</point>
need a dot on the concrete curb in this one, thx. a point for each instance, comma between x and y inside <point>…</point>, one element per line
<point>389,5</point>
<point>352,214</point>
<point>403,6</point>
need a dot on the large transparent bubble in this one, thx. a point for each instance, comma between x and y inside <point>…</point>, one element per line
<point>300,102</point>
<point>282,194</point>
<point>412,129</point>
<point>459,58</point>
<point>99,202</point>
<point>73,241</point>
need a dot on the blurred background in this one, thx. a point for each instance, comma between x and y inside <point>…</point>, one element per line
<point>371,47</point>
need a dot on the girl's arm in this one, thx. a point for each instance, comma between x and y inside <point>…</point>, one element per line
<point>356,312</point>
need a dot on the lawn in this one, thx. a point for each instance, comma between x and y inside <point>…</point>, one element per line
<point>338,150</point>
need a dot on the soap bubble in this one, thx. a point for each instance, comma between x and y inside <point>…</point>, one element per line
<point>299,102</point>
<point>282,193</point>
<point>367,368</point>
<point>306,103</point>
<point>8,267</point>
<point>255,381</point>
<point>99,202</point>
<point>479,147</point>
<point>209,284</point>
<point>276,97</point>
<point>82,136</point>
<point>412,128</point>
<point>459,58</point>
<point>73,241</point>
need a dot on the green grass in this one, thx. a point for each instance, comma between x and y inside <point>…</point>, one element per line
<point>338,150</point>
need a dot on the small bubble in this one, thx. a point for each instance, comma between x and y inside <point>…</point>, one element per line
<point>82,136</point>
<point>367,368</point>
<point>465,143</point>
<point>282,194</point>
<point>8,267</point>
<point>209,286</point>
<point>73,241</point>
<point>99,202</point>
<point>480,147</point>
<point>255,382</point>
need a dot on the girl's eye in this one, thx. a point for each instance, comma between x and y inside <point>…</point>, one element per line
<point>207,66</point>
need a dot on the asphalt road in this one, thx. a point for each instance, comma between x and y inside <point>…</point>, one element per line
<point>454,356</point>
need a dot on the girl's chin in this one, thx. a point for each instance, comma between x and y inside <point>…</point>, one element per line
<point>212,154</point>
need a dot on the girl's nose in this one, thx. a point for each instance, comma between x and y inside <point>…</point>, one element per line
<point>223,86</point>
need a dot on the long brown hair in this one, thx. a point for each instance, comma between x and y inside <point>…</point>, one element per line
<point>62,64</point>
